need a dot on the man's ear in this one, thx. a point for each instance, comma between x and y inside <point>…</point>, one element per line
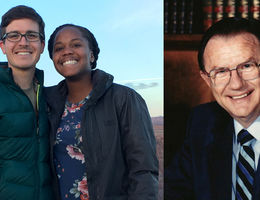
<point>92,58</point>
<point>2,46</point>
<point>205,78</point>
<point>43,45</point>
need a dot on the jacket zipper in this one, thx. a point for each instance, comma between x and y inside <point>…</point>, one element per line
<point>37,110</point>
<point>38,140</point>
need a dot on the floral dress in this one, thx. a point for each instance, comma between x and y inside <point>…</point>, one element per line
<point>68,156</point>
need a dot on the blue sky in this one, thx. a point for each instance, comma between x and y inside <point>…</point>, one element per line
<point>129,34</point>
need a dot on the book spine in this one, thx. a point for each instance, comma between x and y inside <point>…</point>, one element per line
<point>242,8</point>
<point>217,10</point>
<point>229,8</point>
<point>181,4</point>
<point>189,16</point>
<point>207,11</point>
<point>166,16</point>
<point>173,17</point>
<point>254,8</point>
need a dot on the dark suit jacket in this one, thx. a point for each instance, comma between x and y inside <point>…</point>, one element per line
<point>203,168</point>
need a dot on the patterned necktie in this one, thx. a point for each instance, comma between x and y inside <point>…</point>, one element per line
<point>245,166</point>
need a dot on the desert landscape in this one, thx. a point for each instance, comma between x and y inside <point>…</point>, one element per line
<point>158,131</point>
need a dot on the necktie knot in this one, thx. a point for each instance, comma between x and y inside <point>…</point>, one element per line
<point>244,136</point>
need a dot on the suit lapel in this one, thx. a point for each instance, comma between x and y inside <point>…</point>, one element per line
<point>220,158</point>
<point>257,183</point>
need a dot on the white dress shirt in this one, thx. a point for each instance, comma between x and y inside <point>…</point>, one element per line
<point>254,130</point>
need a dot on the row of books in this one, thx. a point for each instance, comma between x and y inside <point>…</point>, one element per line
<point>196,16</point>
<point>216,10</point>
<point>178,16</point>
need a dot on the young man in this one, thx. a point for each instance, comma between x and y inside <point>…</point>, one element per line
<point>219,159</point>
<point>24,156</point>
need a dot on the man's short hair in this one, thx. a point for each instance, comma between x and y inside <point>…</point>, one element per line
<point>21,12</point>
<point>228,27</point>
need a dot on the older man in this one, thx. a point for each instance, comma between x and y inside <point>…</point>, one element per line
<point>219,159</point>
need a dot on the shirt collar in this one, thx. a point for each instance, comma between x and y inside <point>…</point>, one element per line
<point>253,129</point>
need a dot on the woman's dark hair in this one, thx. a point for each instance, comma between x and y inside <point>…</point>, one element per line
<point>21,12</point>
<point>93,45</point>
<point>228,27</point>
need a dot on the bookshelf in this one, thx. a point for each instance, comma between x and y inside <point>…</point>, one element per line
<point>183,88</point>
<point>182,41</point>
<point>196,16</point>
<point>179,17</point>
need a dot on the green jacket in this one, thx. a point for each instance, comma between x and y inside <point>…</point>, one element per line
<point>24,146</point>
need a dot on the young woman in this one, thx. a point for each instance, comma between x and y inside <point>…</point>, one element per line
<point>102,140</point>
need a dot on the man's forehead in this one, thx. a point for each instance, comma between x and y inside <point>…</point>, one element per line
<point>227,52</point>
<point>22,24</point>
<point>239,42</point>
<point>242,35</point>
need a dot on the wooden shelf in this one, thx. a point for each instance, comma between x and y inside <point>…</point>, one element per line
<point>182,41</point>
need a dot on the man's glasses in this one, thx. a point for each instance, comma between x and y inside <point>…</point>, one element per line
<point>16,36</point>
<point>246,71</point>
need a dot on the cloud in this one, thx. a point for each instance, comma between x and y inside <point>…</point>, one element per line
<point>150,14</point>
<point>141,79</point>
<point>140,86</point>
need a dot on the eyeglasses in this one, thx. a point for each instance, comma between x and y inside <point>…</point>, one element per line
<point>16,36</point>
<point>246,71</point>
